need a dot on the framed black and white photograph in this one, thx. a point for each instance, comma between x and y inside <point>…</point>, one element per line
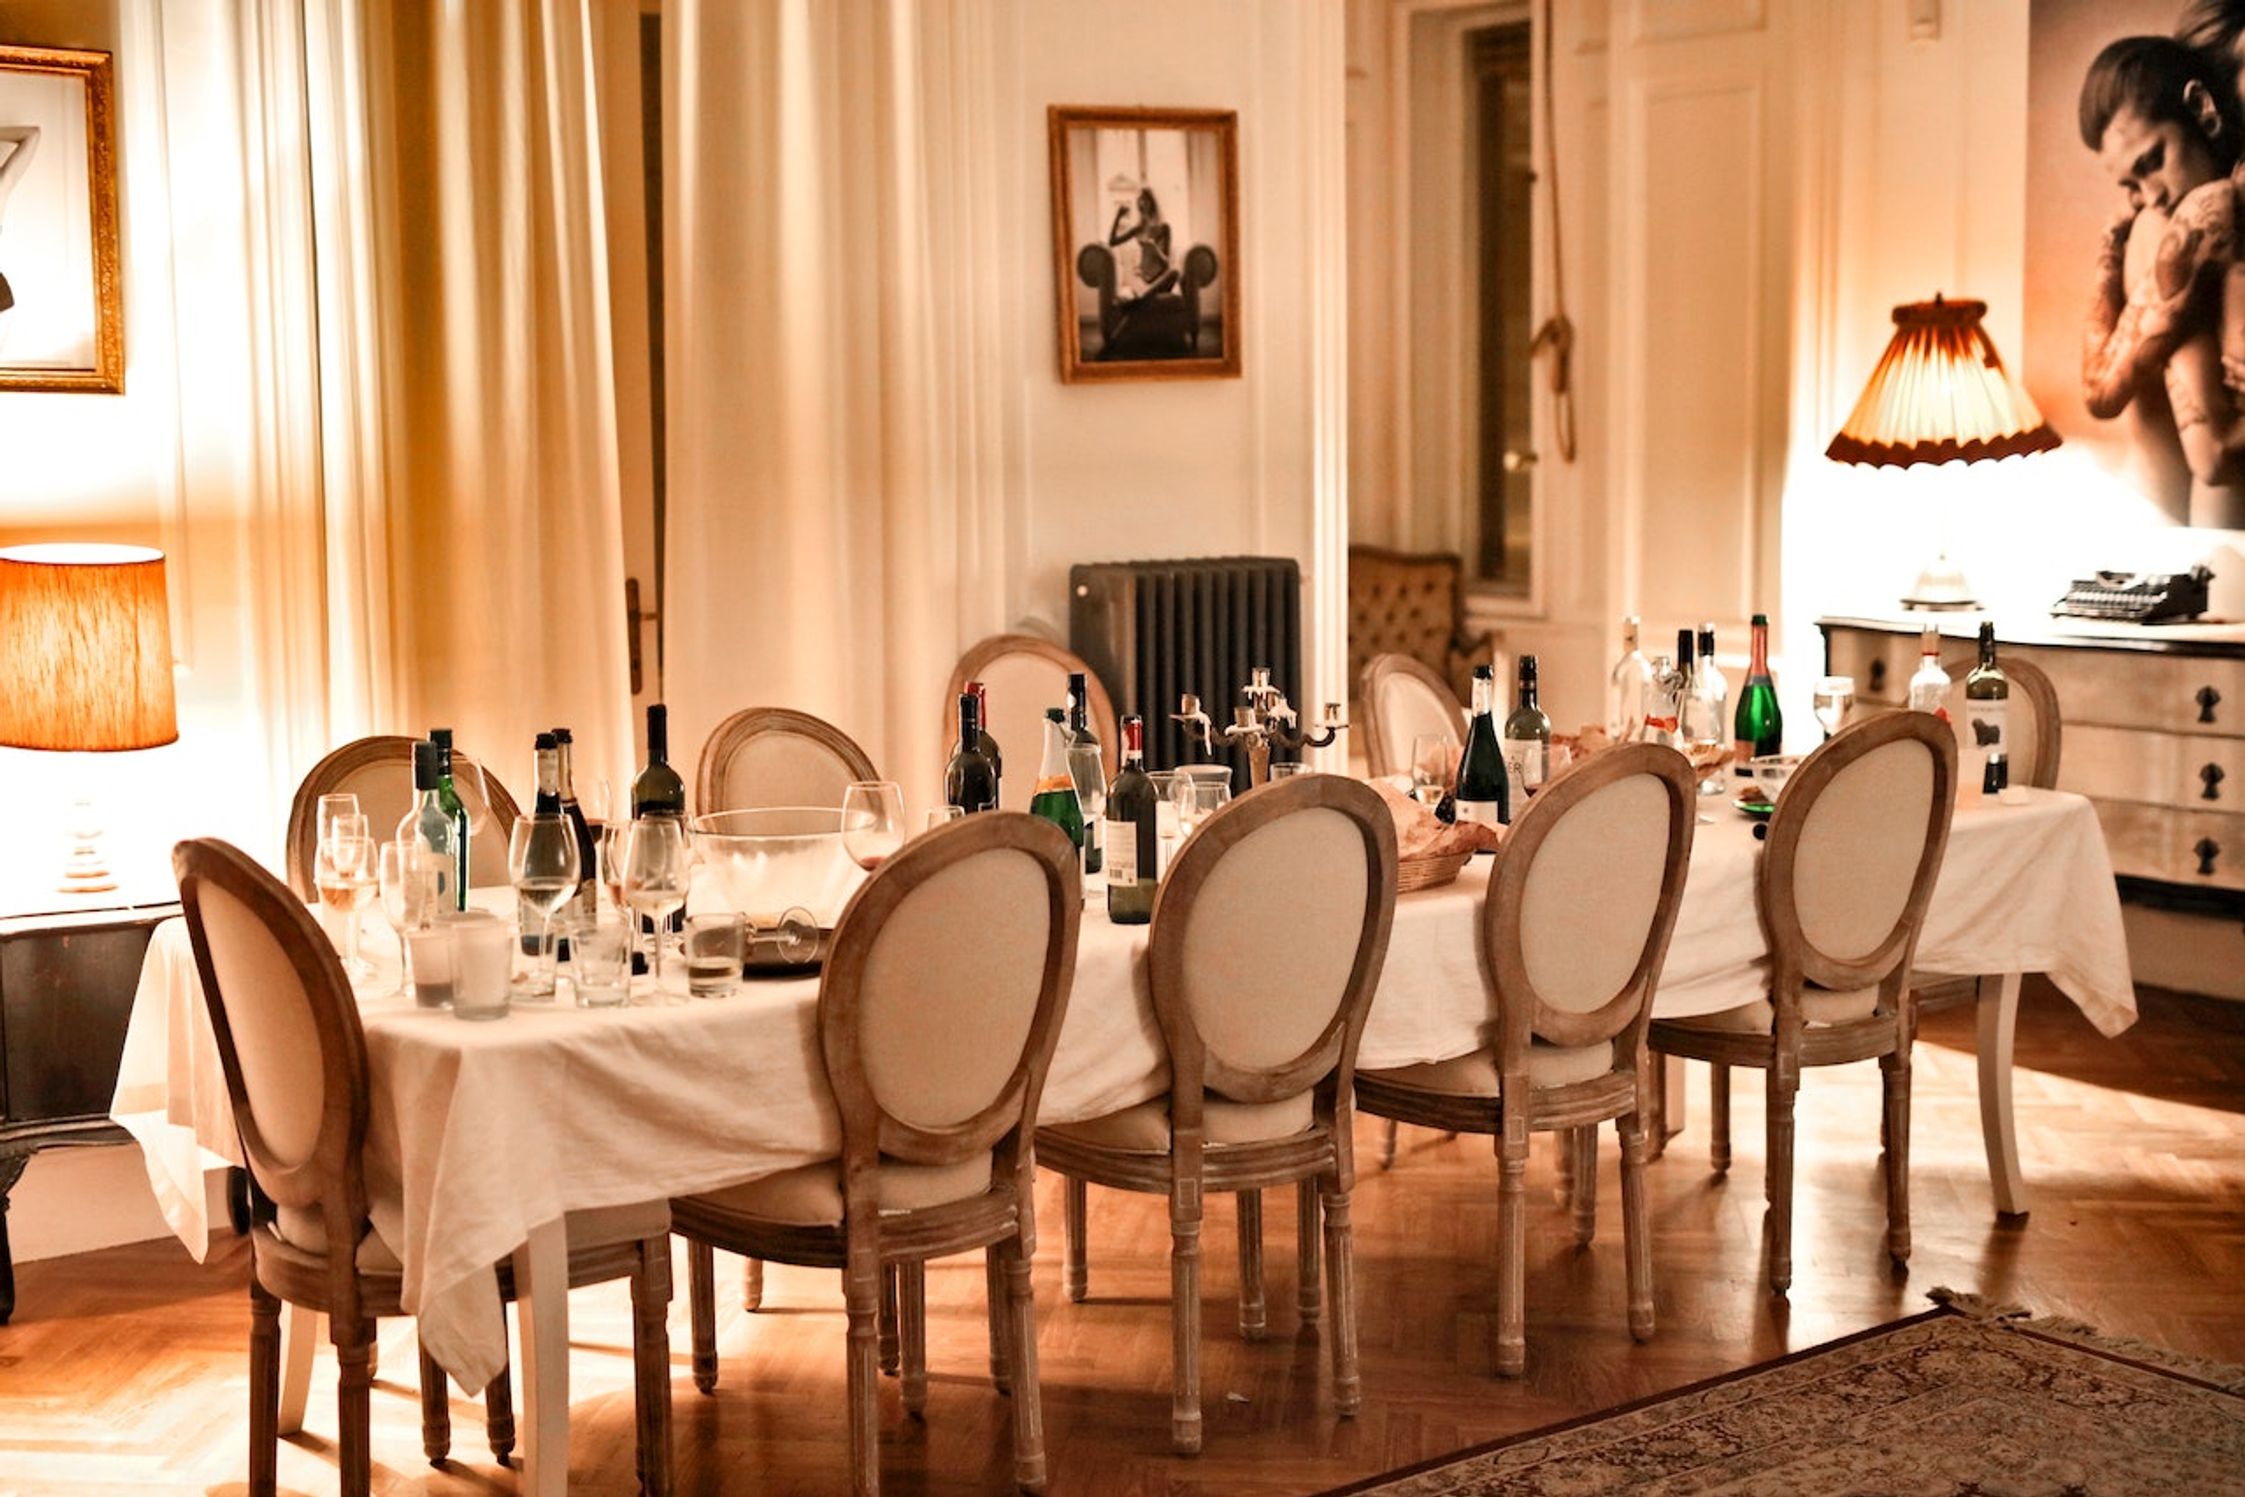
<point>2135,274</point>
<point>61,298</point>
<point>1145,223</point>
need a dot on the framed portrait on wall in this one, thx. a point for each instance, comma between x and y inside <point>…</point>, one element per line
<point>2135,274</point>
<point>1145,230</point>
<point>61,295</point>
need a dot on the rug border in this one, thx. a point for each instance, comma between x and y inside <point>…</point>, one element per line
<point>1466,1453</point>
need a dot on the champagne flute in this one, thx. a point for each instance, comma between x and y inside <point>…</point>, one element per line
<point>1432,755</point>
<point>872,821</point>
<point>345,881</point>
<point>658,858</point>
<point>1833,700</point>
<point>542,864</point>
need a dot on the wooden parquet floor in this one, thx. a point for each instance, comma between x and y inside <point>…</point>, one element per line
<point>126,1370</point>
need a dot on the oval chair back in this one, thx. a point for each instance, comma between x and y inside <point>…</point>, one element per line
<point>1024,676</point>
<point>379,771</point>
<point>775,756</point>
<point>1269,934</point>
<point>1854,847</point>
<point>1583,900</point>
<point>2032,724</point>
<point>942,999</point>
<point>1402,698</point>
<point>289,1039</point>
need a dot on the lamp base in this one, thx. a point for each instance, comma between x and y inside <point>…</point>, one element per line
<point>86,872</point>
<point>1940,588</point>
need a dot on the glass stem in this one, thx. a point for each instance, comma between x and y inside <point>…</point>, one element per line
<point>549,956</point>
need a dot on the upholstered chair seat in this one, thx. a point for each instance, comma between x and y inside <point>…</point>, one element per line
<point>1820,1008</point>
<point>811,1195</point>
<point>1475,1074</point>
<point>1144,1129</point>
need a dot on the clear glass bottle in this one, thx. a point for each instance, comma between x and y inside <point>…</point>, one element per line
<point>1929,686</point>
<point>1662,700</point>
<point>429,826</point>
<point>1087,765</point>
<point>1627,687</point>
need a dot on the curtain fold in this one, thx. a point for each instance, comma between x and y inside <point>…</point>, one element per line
<point>835,326</point>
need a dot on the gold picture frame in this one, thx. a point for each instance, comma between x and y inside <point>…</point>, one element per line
<point>1143,290</point>
<point>61,280</point>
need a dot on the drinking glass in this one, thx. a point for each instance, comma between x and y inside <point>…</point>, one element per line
<point>872,821</point>
<point>409,896</point>
<point>609,851</point>
<point>658,860</point>
<point>1287,771</point>
<point>482,948</point>
<point>542,864</point>
<point>1197,800</point>
<point>600,961</point>
<point>715,946</point>
<point>944,815</point>
<point>1432,757</point>
<point>345,881</point>
<point>1834,699</point>
<point>332,808</point>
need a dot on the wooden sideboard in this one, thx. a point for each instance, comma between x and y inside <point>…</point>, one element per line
<point>66,992</point>
<point>2154,733</point>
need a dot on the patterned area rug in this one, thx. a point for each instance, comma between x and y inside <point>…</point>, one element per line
<point>1968,1400</point>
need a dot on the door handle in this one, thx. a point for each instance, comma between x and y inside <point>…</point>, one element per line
<point>2211,777</point>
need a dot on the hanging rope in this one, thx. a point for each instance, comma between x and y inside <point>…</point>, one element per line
<point>1556,337</point>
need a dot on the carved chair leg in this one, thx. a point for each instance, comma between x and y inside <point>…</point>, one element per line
<point>264,1389</point>
<point>994,1285</point>
<point>1028,1399</point>
<point>1340,1287</point>
<point>701,1308</point>
<point>861,1289</point>
<point>1253,1320</point>
<point>436,1411</point>
<point>1636,1233</point>
<point>1184,1318</point>
<point>1656,1113</point>
<point>1897,1117</point>
<point>892,1347</point>
<point>1511,1351</point>
<point>1307,1290</point>
<point>1584,1141</point>
<point>1075,1274</point>
<point>650,1360</point>
<point>1388,1129</point>
<point>1563,1175</point>
<point>752,1284</point>
<point>911,1280</point>
<point>1719,1117</point>
<point>354,1355</point>
<point>1778,1183</point>
<point>498,1413</point>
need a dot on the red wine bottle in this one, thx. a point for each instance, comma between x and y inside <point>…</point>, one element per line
<point>970,780</point>
<point>584,905</point>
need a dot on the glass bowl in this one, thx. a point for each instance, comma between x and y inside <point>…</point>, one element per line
<point>776,858</point>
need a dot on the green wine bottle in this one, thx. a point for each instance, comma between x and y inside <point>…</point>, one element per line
<point>448,796</point>
<point>1758,728</point>
<point>1055,798</point>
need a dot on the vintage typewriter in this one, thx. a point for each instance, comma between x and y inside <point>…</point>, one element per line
<point>2131,598</point>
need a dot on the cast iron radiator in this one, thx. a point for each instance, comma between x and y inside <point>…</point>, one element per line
<point>1154,630</point>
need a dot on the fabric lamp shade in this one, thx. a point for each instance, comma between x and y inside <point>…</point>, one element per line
<point>85,649</point>
<point>1940,394</point>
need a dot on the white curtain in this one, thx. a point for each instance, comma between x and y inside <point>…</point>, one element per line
<point>837,322</point>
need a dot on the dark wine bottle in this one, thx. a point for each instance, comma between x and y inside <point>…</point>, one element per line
<point>548,803</point>
<point>1987,712</point>
<point>970,780</point>
<point>1758,728</point>
<point>1527,735</point>
<point>584,905</point>
<point>1087,765</point>
<point>1482,793</point>
<point>1133,833</point>
<point>988,744</point>
<point>448,796</point>
<point>658,791</point>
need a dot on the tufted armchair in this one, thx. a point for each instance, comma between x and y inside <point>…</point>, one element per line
<point>1163,323</point>
<point>1412,604</point>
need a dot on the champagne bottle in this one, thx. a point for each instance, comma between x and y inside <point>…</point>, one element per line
<point>1482,794</point>
<point>1987,712</point>
<point>448,795</point>
<point>658,791</point>
<point>584,905</point>
<point>970,780</point>
<point>1527,735</point>
<point>1133,833</point>
<point>428,825</point>
<point>529,920</point>
<point>1929,686</point>
<point>1625,689</point>
<point>988,744</point>
<point>1087,766</point>
<point>1055,797</point>
<point>1758,727</point>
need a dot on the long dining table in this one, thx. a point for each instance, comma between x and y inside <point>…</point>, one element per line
<point>484,1136</point>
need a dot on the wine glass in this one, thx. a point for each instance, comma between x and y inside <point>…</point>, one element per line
<point>475,796</point>
<point>1833,700</point>
<point>610,853</point>
<point>345,881</point>
<point>542,864</point>
<point>944,815</point>
<point>872,821</point>
<point>409,896</point>
<point>658,859</point>
<point>332,808</point>
<point>1432,755</point>
<point>1197,800</point>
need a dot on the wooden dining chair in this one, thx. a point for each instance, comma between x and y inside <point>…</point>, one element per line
<point>776,756</point>
<point>1024,675</point>
<point>938,1011</point>
<point>1845,875</point>
<point>1573,933</point>
<point>1403,698</point>
<point>379,771</point>
<point>1268,937</point>
<point>294,1055</point>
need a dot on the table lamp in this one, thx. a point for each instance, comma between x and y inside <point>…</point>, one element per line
<point>1940,395</point>
<point>85,667</point>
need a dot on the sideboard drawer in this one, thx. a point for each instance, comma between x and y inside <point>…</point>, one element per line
<point>2197,695</point>
<point>2160,769</point>
<point>2196,848</point>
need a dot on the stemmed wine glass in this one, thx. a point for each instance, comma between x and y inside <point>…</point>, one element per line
<point>1197,800</point>
<point>1834,699</point>
<point>410,887</point>
<point>542,864</point>
<point>1432,757</point>
<point>345,880</point>
<point>944,816</point>
<point>475,796</point>
<point>658,859</point>
<point>872,821</point>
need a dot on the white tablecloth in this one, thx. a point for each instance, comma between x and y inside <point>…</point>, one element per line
<point>481,1132</point>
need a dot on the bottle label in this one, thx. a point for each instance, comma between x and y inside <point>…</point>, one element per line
<point>1122,854</point>
<point>1482,811</point>
<point>1988,746</point>
<point>1524,761</point>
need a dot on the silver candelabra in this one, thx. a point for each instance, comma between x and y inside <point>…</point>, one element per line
<point>1266,720</point>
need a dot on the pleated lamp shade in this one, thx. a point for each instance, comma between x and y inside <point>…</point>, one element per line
<point>1940,395</point>
<point>85,649</point>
